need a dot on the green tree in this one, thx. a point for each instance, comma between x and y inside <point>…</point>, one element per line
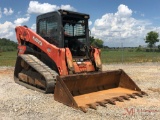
<point>152,38</point>
<point>91,38</point>
<point>96,42</point>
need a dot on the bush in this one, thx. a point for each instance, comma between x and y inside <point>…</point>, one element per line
<point>153,50</point>
<point>139,49</point>
<point>130,50</point>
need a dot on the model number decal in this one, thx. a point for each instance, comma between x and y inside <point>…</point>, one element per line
<point>37,41</point>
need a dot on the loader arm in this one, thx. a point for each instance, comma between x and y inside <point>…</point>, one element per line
<point>25,34</point>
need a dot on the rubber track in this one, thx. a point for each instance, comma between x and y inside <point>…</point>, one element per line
<point>44,70</point>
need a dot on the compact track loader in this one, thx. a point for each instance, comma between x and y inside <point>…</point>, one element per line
<point>58,59</point>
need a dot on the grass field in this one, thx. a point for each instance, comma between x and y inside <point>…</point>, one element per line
<point>128,57</point>
<point>9,58</point>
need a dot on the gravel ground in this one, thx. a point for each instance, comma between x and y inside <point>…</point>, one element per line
<point>20,103</point>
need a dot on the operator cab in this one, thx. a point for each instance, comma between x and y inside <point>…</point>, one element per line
<point>65,29</point>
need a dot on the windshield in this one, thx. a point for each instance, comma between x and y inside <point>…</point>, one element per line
<point>74,28</point>
<point>75,35</point>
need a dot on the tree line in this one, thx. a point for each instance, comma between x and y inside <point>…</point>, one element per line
<point>151,38</point>
<point>7,45</point>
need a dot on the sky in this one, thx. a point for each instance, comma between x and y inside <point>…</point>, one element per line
<point>116,22</point>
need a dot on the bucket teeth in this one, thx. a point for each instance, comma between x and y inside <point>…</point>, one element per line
<point>132,96</point>
<point>102,104</point>
<point>138,94</point>
<point>84,109</point>
<point>93,106</point>
<point>120,99</point>
<point>125,97</point>
<point>111,101</point>
<point>144,93</point>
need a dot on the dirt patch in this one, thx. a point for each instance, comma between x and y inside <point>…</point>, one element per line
<point>6,70</point>
<point>18,102</point>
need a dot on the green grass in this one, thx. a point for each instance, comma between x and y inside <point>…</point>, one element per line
<point>128,57</point>
<point>8,58</point>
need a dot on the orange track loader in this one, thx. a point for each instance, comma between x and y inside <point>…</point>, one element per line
<point>59,59</point>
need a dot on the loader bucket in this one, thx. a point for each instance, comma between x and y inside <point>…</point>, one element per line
<point>90,90</point>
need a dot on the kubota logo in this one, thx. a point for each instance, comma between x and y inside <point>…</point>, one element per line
<point>37,41</point>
